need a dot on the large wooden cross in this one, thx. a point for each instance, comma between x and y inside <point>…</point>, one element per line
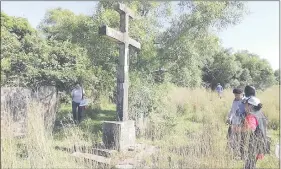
<point>123,38</point>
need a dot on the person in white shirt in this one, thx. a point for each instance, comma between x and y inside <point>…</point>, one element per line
<point>234,120</point>
<point>238,93</point>
<point>77,96</point>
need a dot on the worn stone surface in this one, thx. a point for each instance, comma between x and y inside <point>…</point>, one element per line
<point>94,160</point>
<point>124,166</point>
<point>97,158</point>
<point>104,152</point>
<point>14,102</point>
<point>141,152</point>
<point>133,156</point>
<point>119,135</point>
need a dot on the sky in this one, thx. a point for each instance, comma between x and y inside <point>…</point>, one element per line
<point>258,32</point>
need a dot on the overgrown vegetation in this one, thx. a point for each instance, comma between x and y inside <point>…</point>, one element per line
<point>66,48</point>
<point>185,120</point>
<point>188,126</point>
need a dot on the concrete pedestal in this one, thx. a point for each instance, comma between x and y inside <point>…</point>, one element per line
<point>118,135</point>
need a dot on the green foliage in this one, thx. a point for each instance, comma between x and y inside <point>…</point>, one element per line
<point>67,48</point>
<point>224,70</point>
<point>188,45</point>
<point>29,60</point>
<point>142,96</point>
<point>15,52</point>
<point>17,26</point>
<point>102,54</point>
<point>258,70</point>
<point>238,70</point>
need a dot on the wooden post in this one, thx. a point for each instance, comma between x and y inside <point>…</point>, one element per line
<point>123,65</point>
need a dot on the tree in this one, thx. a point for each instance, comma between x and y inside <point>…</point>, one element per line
<point>224,69</point>
<point>102,54</point>
<point>188,45</point>
<point>260,71</point>
<point>15,54</point>
<point>245,78</point>
<point>29,60</point>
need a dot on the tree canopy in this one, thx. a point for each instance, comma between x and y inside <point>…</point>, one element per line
<point>66,48</point>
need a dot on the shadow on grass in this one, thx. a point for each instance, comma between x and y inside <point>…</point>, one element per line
<point>100,115</point>
<point>92,119</point>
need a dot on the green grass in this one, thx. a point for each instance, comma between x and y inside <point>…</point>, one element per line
<point>188,126</point>
<point>91,126</point>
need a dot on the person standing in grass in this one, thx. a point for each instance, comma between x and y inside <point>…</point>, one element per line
<point>77,96</point>
<point>234,120</point>
<point>249,91</point>
<point>254,132</point>
<point>219,89</point>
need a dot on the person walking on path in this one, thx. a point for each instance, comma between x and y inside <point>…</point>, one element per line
<point>219,89</point>
<point>77,95</point>
<point>249,91</point>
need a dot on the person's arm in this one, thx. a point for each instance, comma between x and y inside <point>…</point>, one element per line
<point>72,94</point>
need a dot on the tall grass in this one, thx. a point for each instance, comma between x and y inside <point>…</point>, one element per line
<point>187,125</point>
<point>191,132</point>
<point>36,148</point>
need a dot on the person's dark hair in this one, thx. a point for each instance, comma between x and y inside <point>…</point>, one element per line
<point>250,91</point>
<point>258,107</point>
<point>237,91</point>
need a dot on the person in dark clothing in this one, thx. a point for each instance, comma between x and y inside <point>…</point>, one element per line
<point>77,95</point>
<point>253,133</point>
<point>240,114</point>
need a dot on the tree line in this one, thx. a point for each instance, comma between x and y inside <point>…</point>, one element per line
<point>66,48</point>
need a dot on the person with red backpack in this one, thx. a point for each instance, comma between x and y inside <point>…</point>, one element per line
<point>253,132</point>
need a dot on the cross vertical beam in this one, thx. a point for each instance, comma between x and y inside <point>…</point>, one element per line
<point>123,71</point>
<point>123,65</point>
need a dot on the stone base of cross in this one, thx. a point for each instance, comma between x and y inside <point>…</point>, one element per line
<point>120,135</point>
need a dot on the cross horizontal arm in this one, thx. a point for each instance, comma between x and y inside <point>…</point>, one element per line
<point>118,36</point>
<point>121,8</point>
<point>134,43</point>
<point>111,33</point>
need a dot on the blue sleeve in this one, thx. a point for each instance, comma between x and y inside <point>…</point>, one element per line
<point>241,110</point>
